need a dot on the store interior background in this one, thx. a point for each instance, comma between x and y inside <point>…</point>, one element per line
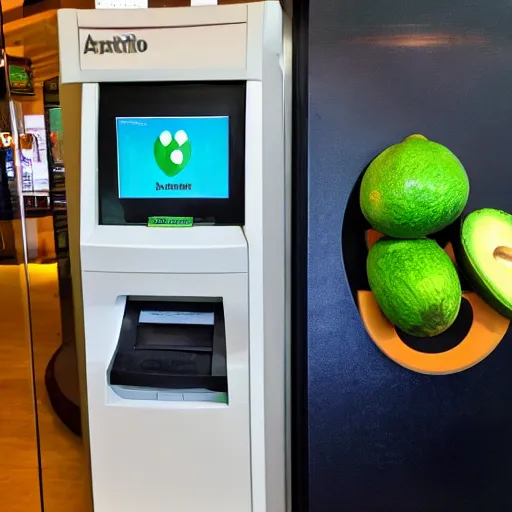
<point>43,454</point>
<point>42,461</point>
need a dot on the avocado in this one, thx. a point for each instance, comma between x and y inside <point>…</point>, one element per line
<point>413,189</point>
<point>415,284</point>
<point>172,152</point>
<point>486,257</point>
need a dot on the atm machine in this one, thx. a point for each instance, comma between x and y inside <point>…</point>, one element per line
<point>184,247</point>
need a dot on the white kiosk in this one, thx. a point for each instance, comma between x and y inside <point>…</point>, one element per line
<point>185,118</point>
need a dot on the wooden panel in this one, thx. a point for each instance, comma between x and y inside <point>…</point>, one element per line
<point>37,37</point>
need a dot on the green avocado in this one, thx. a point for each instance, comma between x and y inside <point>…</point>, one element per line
<point>415,284</point>
<point>172,152</point>
<point>413,189</point>
<point>486,256</point>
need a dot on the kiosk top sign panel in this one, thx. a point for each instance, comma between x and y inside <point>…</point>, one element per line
<point>183,47</point>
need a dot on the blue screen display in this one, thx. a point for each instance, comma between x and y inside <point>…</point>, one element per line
<point>173,157</point>
<point>9,163</point>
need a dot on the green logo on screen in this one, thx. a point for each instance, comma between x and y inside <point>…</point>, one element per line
<point>172,152</point>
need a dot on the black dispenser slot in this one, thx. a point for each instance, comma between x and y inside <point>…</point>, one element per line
<point>171,345</point>
<point>196,338</point>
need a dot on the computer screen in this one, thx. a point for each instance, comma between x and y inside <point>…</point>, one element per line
<point>174,149</point>
<point>173,157</point>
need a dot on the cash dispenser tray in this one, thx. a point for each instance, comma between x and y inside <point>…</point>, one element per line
<point>171,350</point>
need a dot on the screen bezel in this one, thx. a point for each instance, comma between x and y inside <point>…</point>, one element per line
<point>172,99</point>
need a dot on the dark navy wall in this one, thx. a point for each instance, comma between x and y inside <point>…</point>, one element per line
<point>381,438</point>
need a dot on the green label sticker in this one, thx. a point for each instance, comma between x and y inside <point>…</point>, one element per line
<point>170,222</point>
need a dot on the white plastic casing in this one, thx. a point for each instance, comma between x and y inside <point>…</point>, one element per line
<point>191,456</point>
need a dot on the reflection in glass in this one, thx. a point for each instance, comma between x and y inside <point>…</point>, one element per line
<point>19,450</point>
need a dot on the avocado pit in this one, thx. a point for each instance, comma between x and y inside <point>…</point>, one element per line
<point>503,255</point>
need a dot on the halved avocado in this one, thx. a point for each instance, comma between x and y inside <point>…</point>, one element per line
<point>486,256</point>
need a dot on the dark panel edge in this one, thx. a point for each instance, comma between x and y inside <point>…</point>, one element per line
<point>300,436</point>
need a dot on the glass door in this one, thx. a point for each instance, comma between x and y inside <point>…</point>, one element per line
<point>20,489</point>
<point>39,167</point>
